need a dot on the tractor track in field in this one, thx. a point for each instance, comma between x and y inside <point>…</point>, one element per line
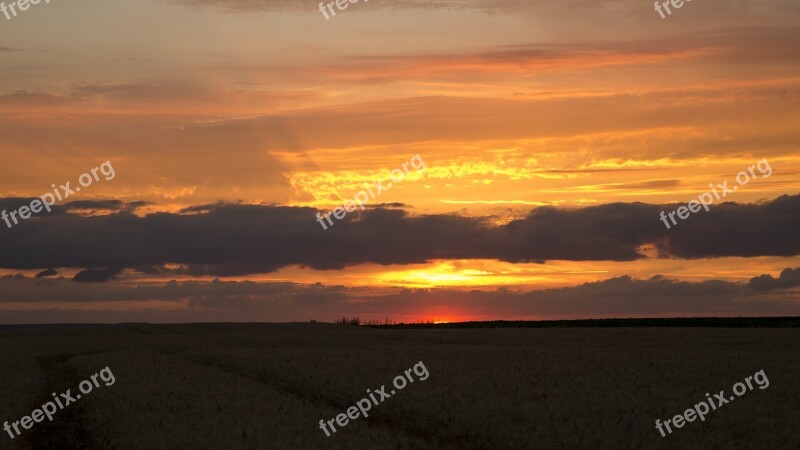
<point>373,421</point>
<point>66,431</point>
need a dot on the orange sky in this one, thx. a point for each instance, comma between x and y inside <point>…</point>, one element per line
<point>512,105</point>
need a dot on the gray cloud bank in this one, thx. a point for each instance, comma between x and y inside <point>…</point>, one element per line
<point>251,301</point>
<point>235,239</point>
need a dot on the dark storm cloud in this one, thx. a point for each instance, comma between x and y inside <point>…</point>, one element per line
<point>96,275</point>
<point>227,239</point>
<point>14,203</point>
<point>388,205</point>
<point>149,270</point>
<point>216,293</point>
<point>731,229</point>
<point>789,278</point>
<point>47,273</point>
<point>108,205</point>
<point>616,231</point>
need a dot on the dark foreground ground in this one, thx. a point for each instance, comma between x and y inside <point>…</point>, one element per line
<point>254,386</point>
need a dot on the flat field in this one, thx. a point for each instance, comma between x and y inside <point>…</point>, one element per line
<point>266,386</point>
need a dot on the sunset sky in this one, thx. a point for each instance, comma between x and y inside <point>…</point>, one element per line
<point>553,135</point>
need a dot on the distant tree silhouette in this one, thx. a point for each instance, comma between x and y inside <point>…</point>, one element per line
<point>345,321</point>
<point>377,322</point>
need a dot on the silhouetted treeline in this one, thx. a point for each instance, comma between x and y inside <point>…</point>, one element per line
<point>709,322</point>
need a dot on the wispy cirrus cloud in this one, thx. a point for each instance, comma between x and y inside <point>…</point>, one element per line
<point>494,6</point>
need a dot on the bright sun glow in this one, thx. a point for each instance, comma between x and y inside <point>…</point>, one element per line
<point>453,274</point>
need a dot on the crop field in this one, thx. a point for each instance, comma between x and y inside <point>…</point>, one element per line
<point>265,386</point>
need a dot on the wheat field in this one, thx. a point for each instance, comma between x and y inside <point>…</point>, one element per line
<point>265,386</point>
